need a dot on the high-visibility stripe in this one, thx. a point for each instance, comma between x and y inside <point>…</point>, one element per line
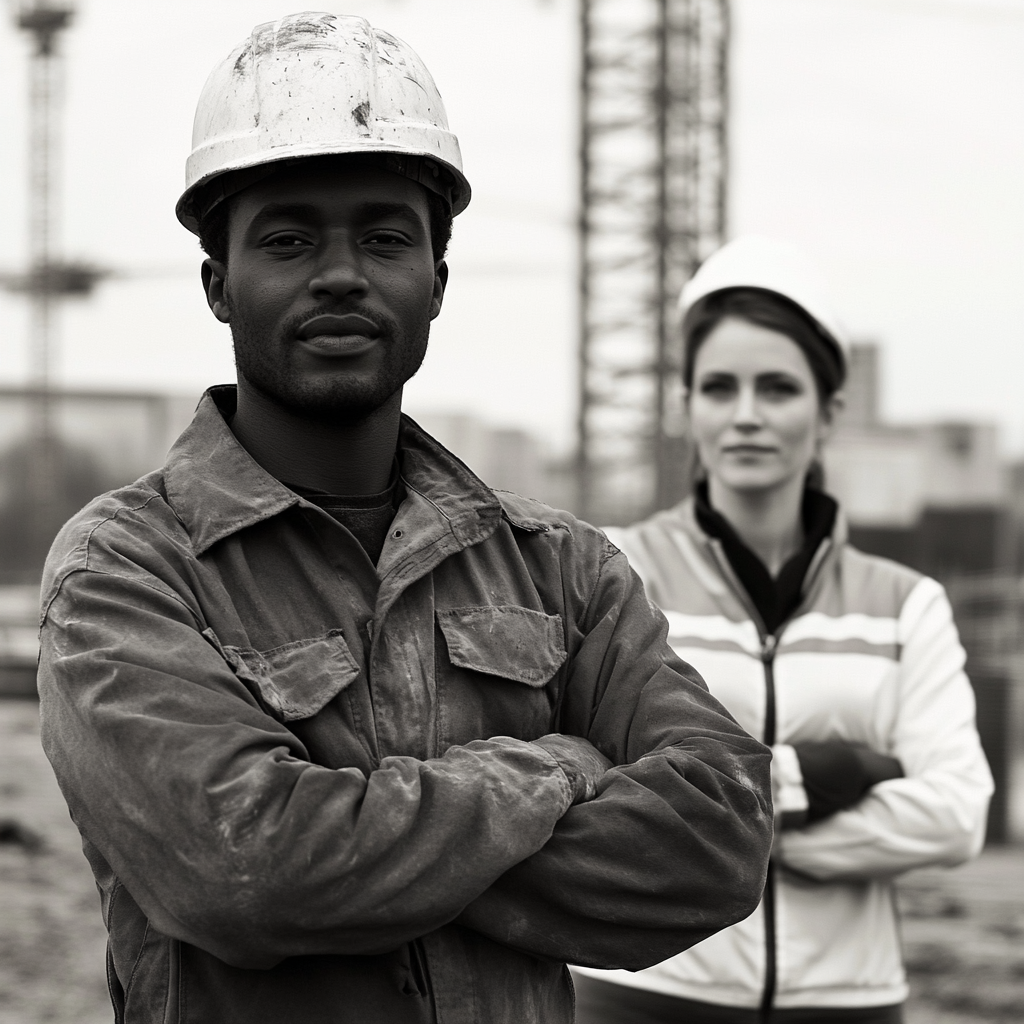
<point>713,628</point>
<point>853,626</point>
<point>814,645</point>
<point>687,641</point>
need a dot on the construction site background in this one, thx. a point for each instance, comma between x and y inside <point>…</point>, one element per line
<point>653,163</point>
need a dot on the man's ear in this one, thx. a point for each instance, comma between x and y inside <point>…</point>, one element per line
<point>215,276</point>
<point>440,283</point>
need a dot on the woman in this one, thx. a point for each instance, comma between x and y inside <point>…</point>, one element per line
<point>847,665</point>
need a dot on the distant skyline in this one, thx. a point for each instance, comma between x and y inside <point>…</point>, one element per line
<point>886,136</point>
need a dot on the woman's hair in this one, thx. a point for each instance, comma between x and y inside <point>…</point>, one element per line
<point>775,312</point>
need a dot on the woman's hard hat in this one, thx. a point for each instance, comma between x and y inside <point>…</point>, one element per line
<point>318,84</point>
<point>780,267</point>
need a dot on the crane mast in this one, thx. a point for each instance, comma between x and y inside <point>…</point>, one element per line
<point>46,279</point>
<point>44,22</point>
<point>653,160</point>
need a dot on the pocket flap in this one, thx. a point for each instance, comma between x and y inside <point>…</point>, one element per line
<point>504,640</point>
<point>298,679</point>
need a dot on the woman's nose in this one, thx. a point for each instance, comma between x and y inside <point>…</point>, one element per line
<point>746,412</point>
<point>338,273</point>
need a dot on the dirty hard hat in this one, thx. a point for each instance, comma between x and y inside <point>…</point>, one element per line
<point>772,265</point>
<point>317,84</point>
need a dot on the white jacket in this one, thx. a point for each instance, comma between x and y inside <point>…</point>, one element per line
<point>871,656</point>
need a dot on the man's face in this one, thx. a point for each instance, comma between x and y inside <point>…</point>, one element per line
<point>329,288</point>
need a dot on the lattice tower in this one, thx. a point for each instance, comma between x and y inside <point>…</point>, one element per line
<point>653,174</point>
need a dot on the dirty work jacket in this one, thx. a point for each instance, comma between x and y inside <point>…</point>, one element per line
<point>871,655</point>
<point>305,785</point>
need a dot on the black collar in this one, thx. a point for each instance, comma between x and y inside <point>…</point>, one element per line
<point>775,599</point>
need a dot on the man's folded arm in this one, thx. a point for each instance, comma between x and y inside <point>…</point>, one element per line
<point>220,828</point>
<point>675,845</point>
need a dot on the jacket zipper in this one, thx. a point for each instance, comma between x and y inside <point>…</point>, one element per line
<point>769,645</point>
<point>768,648</point>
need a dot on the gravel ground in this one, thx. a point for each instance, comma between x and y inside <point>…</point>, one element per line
<point>52,939</point>
<point>963,929</point>
<point>963,934</point>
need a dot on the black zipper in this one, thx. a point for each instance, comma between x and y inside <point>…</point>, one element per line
<point>768,647</point>
<point>769,644</point>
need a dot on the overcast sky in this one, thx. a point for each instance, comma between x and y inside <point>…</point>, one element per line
<point>886,136</point>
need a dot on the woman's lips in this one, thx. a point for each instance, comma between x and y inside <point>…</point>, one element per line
<point>748,449</point>
<point>331,334</point>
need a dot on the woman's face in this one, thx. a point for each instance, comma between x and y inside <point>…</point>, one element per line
<point>754,408</point>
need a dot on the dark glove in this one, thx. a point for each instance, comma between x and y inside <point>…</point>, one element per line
<point>581,761</point>
<point>837,774</point>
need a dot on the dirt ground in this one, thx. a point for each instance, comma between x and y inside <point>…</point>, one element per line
<point>963,929</point>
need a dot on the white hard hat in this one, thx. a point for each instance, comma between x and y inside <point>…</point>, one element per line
<point>780,267</point>
<point>317,84</point>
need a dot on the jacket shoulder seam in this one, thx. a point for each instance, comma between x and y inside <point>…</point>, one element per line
<point>85,566</point>
<point>165,591</point>
<point>110,518</point>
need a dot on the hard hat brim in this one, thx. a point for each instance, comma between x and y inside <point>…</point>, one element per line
<point>202,196</point>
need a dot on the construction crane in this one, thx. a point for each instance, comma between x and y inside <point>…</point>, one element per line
<point>48,279</point>
<point>653,159</point>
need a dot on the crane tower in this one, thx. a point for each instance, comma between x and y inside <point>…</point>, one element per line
<point>44,22</point>
<point>653,169</point>
<point>48,279</point>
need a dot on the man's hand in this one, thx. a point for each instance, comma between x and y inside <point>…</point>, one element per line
<point>581,761</point>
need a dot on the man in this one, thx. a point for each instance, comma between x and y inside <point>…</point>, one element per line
<point>349,737</point>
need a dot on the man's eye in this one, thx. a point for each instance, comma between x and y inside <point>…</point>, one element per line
<point>285,242</point>
<point>387,238</point>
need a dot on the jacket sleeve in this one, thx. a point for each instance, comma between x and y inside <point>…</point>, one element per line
<point>224,833</point>
<point>675,845</point>
<point>935,815</point>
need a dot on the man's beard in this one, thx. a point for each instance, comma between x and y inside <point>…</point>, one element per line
<point>339,398</point>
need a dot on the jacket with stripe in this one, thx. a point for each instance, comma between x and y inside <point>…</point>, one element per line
<point>870,656</point>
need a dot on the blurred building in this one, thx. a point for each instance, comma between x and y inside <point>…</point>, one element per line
<point>935,496</point>
<point>887,476</point>
<point>93,441</point>
<point>505,458</point>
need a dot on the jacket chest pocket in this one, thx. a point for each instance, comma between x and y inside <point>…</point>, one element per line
<point>498,676</point>
<point>297,680</point>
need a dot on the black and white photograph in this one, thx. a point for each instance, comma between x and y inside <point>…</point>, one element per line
<point>512,512</point>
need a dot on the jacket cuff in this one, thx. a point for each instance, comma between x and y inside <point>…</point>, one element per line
<point>788,791</point>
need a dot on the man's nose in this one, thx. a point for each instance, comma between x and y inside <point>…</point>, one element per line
<point>338,272</point>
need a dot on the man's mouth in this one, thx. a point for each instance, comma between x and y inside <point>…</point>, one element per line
<point>331,324</point>
<point>330,334</point>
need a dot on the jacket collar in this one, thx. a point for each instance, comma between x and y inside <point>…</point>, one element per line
<point>683,518</point>
<point>217,488</point>
<point>684,515</point>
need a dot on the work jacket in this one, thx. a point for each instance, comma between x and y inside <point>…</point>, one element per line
<point>870,656</point>
<point>305,783</point>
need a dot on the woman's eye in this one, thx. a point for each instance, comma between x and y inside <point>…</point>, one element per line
<point>717,387</point>
<point>779,388</point>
